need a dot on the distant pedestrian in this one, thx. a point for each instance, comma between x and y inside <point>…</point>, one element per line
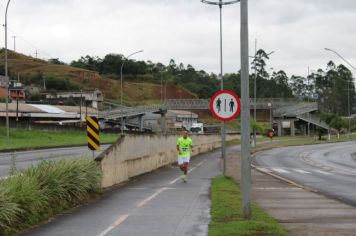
<point>218,104</point>
<point>232,105</point>
<point>184,147</point>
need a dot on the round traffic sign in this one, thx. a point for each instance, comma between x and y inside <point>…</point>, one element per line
<point>225,105</point>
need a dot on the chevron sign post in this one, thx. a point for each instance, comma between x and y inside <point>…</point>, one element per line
<point>93,133</point>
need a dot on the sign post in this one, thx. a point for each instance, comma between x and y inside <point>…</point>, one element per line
<point>93,133</point>
<point>225,106</point>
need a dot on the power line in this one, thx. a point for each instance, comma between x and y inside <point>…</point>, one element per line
<point>29,43</point>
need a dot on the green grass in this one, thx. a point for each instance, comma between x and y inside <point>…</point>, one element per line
<point>23,138</point>
<point>227,217</point>
<point>42,191</point>
<point>301,140</point>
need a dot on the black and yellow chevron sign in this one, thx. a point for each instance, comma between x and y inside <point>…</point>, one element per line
<point>93,133</point>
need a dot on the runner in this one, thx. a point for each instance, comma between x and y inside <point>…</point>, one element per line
<point>184,147</point>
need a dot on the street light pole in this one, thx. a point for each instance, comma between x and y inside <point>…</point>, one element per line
<point>245,115</point>
<point>220,3</point>
<point>122,66</point>
<point>7,78</point>
<point>348,86</point>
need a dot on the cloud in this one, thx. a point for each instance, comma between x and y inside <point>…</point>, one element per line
<point>185,30</point>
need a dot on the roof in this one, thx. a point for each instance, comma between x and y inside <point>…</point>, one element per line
<point>44,111</point>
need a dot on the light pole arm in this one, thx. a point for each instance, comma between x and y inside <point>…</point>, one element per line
<point>220,3</point>
<point>328,49</point>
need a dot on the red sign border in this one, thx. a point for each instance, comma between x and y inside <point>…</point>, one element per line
<point>215,115</point>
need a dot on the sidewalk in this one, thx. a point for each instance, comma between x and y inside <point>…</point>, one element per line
<point>300,211</point>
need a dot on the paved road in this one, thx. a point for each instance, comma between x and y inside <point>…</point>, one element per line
<point>24,159</point>
<point>329,168</point>
<point>154,204</point>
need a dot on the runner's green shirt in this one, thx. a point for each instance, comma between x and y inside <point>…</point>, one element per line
<point>184,145</point>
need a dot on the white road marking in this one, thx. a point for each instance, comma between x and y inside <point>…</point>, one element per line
<point>279,170</point>
<point>301,171</point>
<point>323,172</point>
<point>178,178</point>
<point>145,201</point>
<point>114,225</point>
<point>263,169</point>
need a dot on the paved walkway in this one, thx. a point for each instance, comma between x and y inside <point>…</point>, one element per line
<point>300,211</point>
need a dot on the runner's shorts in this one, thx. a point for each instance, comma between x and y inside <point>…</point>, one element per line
<point>182,160</point>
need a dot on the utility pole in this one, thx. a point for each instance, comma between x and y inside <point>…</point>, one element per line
<point>255,100</point>
<point>7,78</point>
<point>245,115</point>
<point>223,126</point>
<point>80,108</point>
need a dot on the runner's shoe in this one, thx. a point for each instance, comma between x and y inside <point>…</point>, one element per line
<point>184,178</point>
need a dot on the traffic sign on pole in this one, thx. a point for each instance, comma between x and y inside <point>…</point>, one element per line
<point>225,105</point>
<point>93,133</point>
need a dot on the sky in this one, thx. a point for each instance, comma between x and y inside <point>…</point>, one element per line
<point>185,30</point>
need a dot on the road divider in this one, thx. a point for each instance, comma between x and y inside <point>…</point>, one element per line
<point>133,155</point>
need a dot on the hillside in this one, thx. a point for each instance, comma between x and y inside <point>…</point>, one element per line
<point>64,77</point>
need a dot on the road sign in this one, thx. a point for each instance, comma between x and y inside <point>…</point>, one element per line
<point>93,133</point>
<point>225,105</point>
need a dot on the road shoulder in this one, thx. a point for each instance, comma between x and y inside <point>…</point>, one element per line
<point>300,211</point>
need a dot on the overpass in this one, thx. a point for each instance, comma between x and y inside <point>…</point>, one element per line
<point>283,109</point>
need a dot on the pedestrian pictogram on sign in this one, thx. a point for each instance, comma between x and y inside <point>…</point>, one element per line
<point>225,105</point>
<point>93,133</point>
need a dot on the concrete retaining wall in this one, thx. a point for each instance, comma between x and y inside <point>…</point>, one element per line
<point>133,155</point>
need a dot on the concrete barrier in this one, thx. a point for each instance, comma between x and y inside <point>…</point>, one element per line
<point>134,155</point>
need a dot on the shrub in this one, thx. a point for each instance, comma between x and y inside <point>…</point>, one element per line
<point>44,190</point>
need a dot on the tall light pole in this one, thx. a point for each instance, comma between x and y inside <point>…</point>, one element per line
<point>348,85</point>
<point>255,93</point>
<point>220,3</point>
<point>245,115</point>
<point>122,66</point>
<point>7,78</point>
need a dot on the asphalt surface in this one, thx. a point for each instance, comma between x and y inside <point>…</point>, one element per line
<point>158,203</point>
<point>25,159</point>
<point>328,168</point>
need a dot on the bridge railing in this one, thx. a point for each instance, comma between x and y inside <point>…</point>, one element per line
<point>296,109</point>
<point>130,111</point>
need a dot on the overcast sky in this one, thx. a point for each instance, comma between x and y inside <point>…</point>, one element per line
<point>185,30</point>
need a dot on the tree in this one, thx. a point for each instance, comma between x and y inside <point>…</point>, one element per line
<point>298,86</point>
<point>259,64</point>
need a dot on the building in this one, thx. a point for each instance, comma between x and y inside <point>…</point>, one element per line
<point>92,98</point>
<point>175,119</point>
<point>16,90</point>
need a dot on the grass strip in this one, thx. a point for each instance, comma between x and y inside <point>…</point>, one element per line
<point>24,138</point>
<point>227,217</point>
<point>40,192</point>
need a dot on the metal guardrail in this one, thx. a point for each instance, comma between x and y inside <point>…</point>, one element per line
<point>203,104</point>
